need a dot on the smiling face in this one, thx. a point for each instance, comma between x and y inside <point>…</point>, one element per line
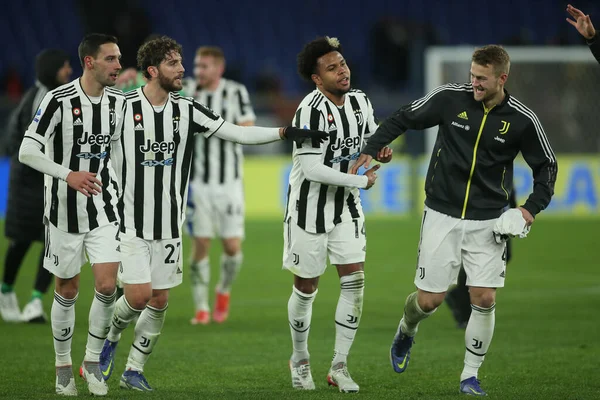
<point>105,66</point>
<point>333,74</point>
<point>487,83</point>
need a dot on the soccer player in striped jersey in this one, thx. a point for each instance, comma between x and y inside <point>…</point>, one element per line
<point>153,161</point>
<point>216,188</point>
<point>76,124</point>
<point>324,215</point>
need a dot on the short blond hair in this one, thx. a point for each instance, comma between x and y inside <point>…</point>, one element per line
<point>493,55</point>
<point>213,51</point>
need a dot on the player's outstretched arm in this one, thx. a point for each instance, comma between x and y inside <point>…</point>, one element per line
<point>314,171</point>
<point>260,135</point>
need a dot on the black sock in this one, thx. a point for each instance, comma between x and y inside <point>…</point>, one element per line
<point>14,257</point>
<point>43,277</point>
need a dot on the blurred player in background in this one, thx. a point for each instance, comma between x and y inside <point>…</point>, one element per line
<point>584,26</point>
<point>25,212</point>
<point>324,216</point>
<point>216,203</point>
<point>153,161</point>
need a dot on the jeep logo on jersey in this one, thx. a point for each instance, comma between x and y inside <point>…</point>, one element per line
<point>89,138</point>
<point>157,147</point>
<point>347,143</point>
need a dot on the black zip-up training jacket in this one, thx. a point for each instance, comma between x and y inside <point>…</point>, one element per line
<point>471,169</point>
<point>594,44</point>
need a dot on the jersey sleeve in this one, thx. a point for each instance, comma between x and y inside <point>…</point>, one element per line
<point>204,120</point>
<point>44,121</point>
<point>309,118</point>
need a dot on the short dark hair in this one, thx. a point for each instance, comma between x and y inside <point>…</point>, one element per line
<point>155,51</point>
<point>312,51</point>
<point>493,55</point>
<point>90,45</point>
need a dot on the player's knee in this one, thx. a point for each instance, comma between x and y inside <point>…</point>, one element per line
<point>159,299</point>
<point>484,299</point>
<point>139,300</point>
<point>67,288</point>
<point>231,247</point>
<point>307,286</point>
<point>431,301</point>
<point>106,288</point>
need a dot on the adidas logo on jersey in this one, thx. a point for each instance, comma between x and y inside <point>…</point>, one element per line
<point>77,122</point>
<point>179,271</point>
<point>139,127</point>
<point>503,274</point>
<point>463,115</point>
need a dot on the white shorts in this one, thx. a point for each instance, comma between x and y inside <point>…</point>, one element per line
<point>216,211</point>
<point>447,243</point>
<point>305,254</point>
<point>151,261</point>
<point>65,253</point>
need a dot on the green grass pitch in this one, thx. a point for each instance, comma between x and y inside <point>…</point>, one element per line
<point>546,344</point>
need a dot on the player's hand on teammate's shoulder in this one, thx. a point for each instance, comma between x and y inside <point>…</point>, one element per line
<point>371,174</point>
<point>385,155</point>
<point>298,134</point>
<point>84,182</point>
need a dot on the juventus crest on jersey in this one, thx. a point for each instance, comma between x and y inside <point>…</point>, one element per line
<point>217,161</point>
<point>153,162</point>
<point>78,134</point>
<point>317,207</point>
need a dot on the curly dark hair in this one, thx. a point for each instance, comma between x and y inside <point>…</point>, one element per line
<point>155,51</point>
<point>312,51</point>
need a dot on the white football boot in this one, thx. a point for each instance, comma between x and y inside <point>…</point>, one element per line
<point>301,377</point>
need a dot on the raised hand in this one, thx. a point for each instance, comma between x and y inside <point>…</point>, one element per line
<point>581,22</point>
<point>84,182</point>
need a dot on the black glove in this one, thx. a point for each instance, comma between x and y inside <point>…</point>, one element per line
<point>299,135</point>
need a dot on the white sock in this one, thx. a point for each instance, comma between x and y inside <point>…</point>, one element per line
<point>299,315</point>
<point>412,316</point>
<point>147,331</point>
<point>478,337</point>
<point>62,318</point>
<point>122,317</point>
<point>230,266</point>
<point>347,314</point>
<point>101,313</point>
<point>200,274</point>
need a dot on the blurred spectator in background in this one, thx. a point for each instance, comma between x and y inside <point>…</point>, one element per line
<point>25,211</point>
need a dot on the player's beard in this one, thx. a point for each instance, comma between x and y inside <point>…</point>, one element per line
<point>168,84</point>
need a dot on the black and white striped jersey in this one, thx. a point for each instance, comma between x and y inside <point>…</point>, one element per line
<point>154,160</point>
<point>217,161</point>
<point>77,134</point>
<point>317,207</point>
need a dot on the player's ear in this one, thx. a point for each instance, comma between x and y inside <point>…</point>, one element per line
<point>316,79</point>
<point>153,71</point>
<point>503,78</point>
<point>87,61</point>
